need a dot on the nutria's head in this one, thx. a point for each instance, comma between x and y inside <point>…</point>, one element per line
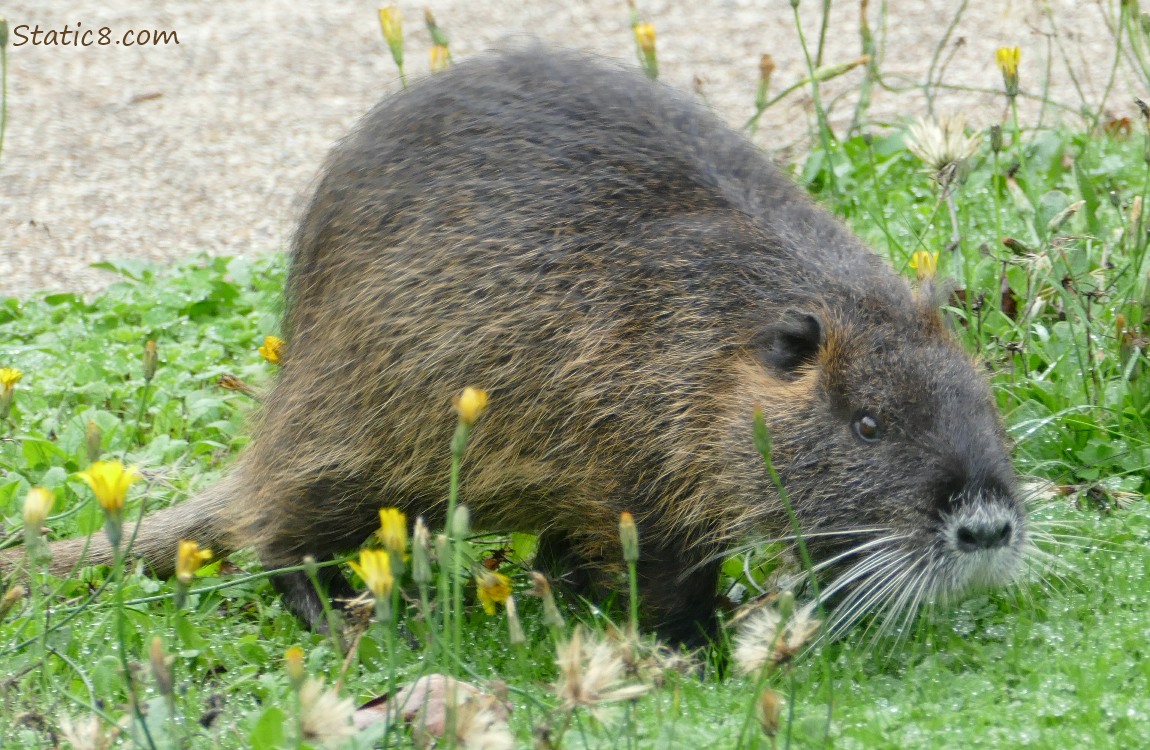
<point>892,452</point>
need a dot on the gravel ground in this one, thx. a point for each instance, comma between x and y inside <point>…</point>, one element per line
<point>158,152</point>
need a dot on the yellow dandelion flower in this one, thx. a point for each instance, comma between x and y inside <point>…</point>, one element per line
<point>629,536</point>
<point>37,505</point>
<point>9,377</point>
<point>189,558</point>
<point>925,264</point>
<point>392,532</point>
<point>374,567</point>
<point>440,58</point>
<point>645,41</point>
<point>110,481</point>
<point>493,588</point>
<point>645,37</point>
<point>293,665</point>
<point>272,349</point>
<point>1008,59</point>
<point>470,404</point>
<point>391,23</point>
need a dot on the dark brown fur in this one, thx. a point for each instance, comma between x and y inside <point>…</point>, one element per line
<point>629,278</point>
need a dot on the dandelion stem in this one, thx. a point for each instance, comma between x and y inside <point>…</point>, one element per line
<point>1017,135</point>
<point>997,193</point>
<point>752,123</point>
<point>122,641</point>
<point>633,579</point>
<point>389,634</point>
<point>144,397</point>
<point>425,608</point>
<point>823,24</point>
<point>310,569</point>
<point>763,442</point>
<point>791,713</point>
<point>453,614</point>
<point>458,445</point>
<point>934,58</point>
<point>764,675</point>
<point>820,113</point>
<point>1123,14</point>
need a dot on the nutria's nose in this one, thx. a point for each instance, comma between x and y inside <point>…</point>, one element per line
<point>975,535</point>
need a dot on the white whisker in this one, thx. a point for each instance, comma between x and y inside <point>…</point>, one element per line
<point>890,569</point>
<point>861,569</point>
<point>856,550</point>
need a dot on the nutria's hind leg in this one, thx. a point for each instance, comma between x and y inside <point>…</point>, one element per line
<point>677,593</point>
<point>309,533</point>
<point>680,596</point>
<point>302,599</point>
<point>555,555</point>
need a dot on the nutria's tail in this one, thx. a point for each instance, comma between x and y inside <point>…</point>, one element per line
<point>199,518</point>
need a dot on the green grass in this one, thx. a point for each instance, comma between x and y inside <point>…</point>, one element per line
<point>1057,661</point>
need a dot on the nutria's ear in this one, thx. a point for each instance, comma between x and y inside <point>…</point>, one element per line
<point>790,342</point>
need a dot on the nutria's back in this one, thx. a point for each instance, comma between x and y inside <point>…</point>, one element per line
<point>551,155</point>
<point>630,279</point>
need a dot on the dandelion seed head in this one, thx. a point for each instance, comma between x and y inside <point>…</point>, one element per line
<point>325,717</point>
<point>591,674</point>
<point>942,146</point>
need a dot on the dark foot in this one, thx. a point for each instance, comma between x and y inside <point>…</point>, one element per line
<point>303,600</point>
<point>680,598</point>
<point>555,557</point>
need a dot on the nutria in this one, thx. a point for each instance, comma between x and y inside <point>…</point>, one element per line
<point>629,278</point>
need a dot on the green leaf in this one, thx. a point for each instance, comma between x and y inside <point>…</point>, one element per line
<point>106,678</point>
<point>136,270</point>
<point>1090,195</point>
<point>40,453</point>
<point>66,298</point>
<point>268,731</point>
<point>1050,205</point>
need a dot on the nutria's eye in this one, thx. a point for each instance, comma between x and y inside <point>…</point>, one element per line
<point>866,427</point>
